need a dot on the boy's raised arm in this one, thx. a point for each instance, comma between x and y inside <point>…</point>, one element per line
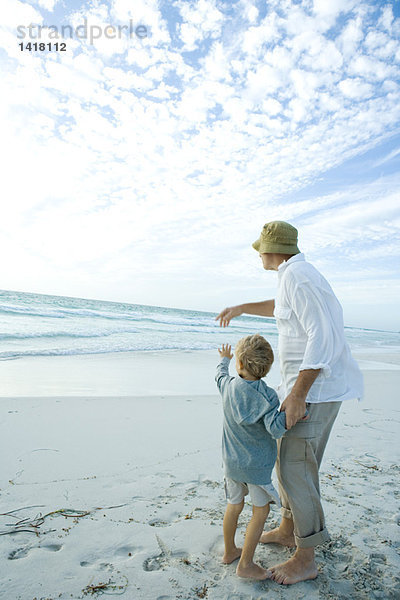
<point>222,374</point>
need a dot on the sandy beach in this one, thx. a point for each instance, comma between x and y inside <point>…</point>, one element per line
<point>118,490</point>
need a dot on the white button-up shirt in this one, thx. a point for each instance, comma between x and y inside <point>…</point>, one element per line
<point>310,324</point>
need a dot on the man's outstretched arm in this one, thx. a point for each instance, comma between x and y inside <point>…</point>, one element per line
<point>262,309</point>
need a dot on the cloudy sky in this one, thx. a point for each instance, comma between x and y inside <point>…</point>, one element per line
<point>142,169</point>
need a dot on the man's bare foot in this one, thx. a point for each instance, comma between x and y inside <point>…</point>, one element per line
<point>275,536</point>
<point>294,570</point>
<point>252,571</point>
<point>228,558</point>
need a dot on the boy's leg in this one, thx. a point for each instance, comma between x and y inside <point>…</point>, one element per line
<point>232,552</point>
<point>283,534</point>
<point>246,566</point>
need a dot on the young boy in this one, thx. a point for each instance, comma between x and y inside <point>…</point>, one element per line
<point>252,423</point>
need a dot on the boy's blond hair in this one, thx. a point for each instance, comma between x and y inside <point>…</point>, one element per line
<point>255,354</point>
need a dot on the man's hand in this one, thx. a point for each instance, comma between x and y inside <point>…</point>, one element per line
<point>227,314</point>
<point>295,408</point>
<point>226,350</point>
<point>295,403</point>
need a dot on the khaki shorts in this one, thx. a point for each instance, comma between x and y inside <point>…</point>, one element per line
<point>260,495</point>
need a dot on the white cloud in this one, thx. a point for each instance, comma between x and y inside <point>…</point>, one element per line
<point>142,12</point>
<point>355,88</point>
<point>305,83</point>
<point>351,37</point>
<point>280,58</point>
<point>370,68</point>
<point>380,45</point>
<point>298,110</point>
<point>333,8</point>
<point>47,4</point>
<point>386,19</point>
<point>271,106</point>
<point>15,13</point>
<point>201,20</point>
<point>258,38</point>
<point>251,11</point>
<point>263,81</point>
<point>325,57</point>
<point>190,35</point>
<point>66,79</point>
<point>327,14</point>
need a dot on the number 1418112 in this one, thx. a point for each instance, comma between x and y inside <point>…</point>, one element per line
<point>42,46</point>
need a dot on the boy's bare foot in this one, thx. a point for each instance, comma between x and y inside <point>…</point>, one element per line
<point>228,558</point>
<point>294,570</point>
<point>275,536</point>
<point>252,571</point>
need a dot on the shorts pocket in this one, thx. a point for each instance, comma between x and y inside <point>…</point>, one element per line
<point>304,429</point>
<point>294,451</point>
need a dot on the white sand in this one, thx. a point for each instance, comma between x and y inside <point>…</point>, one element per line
<point>148,471</point>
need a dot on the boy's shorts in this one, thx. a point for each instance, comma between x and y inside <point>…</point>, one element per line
<point>260,495</point>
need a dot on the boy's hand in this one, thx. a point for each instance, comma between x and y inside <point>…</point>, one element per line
<point>295,410</point>
<point>226,350</point>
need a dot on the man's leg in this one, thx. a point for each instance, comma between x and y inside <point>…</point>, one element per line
<point>300,567</point>
<point>299,476</point>
<point>300,458</point>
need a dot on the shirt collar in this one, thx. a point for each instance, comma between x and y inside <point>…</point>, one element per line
<point>292,259</point>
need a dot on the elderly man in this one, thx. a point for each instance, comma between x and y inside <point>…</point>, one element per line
<point>318,373</point>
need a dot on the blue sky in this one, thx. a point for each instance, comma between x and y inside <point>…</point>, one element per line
<point>141,170</point>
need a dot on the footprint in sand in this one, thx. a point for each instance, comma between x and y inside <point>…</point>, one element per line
<point>22,552</point>
<point>19,553</point>
<point>102,566</point>
<point>165,559</point>
<point>158,523</point>
<point>154,563</point>
<point>51,547</point>
<point>123,552</point>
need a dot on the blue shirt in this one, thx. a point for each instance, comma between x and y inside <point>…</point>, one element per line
<point>252,423</point>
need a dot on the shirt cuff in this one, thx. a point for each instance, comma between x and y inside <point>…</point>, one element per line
<point>282,422</point>
<point>225,360</point>
<point>325,368</point>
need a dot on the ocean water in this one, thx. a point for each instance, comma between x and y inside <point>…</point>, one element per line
<point>41,325</point>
